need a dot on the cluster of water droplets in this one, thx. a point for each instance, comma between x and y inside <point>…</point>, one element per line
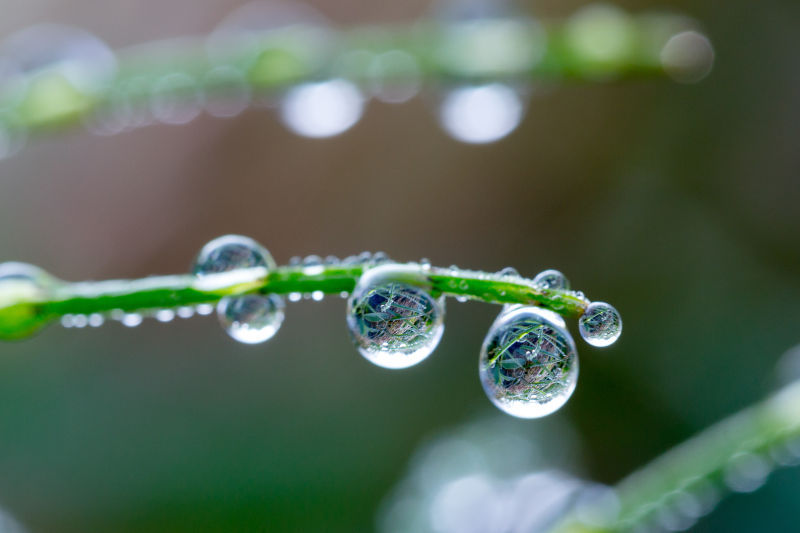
<point>290,57</point>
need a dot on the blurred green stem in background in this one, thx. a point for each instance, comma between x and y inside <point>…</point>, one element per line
<point>28,303</point>
<point>599,43</point>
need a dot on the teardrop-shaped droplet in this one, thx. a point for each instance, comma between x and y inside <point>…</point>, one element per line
<point>322,109</point>
<point>481,114</point>
<point>600,325</point>
<point>528,363</point>
<point>231,252</point>
<point>252,318</point>
<point>393,319</point>
<point>552,279</point>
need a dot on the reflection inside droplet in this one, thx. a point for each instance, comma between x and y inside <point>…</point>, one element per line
<point>481,114</point>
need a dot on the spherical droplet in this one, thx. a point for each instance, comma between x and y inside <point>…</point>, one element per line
<point>528,363</point>
<point>687,57</point>
<point>600,325</point>
<point>394,321</point>
<point>552,279</point>
<point>252,318</point>
<point>231,252</point>
<point>481,114</point>
<point>175,98</point>
<point>322,109</point>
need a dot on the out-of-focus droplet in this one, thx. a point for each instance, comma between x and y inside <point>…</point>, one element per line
<point>528,363</point>
<point>392,318</point>
<point>131,320</point>
<point>175,99</point>
<point>231,252</point>
<point>394,76</point>
<point>601,38</point>
<point>252,318</point>
<point>687,57</point>
<point>746,472</point>
<point>552,279</point>
<point>164,315</point>
<point>508,271</point>
<point>481,114</point>
<point>226,92</point>
<point>322,109</point>
<point>600,325</point>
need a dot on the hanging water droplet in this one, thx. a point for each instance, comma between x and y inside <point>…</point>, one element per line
<point>231,252</point>
<point>131,320</point>
<point>552,279</point>
<point>80,321</point>
<point>96,320</point>
<point>295,296</point>
<point>528,363</point>
<point>185,312</point>
<point>67,321</point>
<point>322,109</point>
<point>252,318</point>
<point>317,296</point>
<point>746,472</point>
<point>165,315</point>
<point>393,320</point>
<point>481,114</point>
<point>205,309</point>
<point>462,299</point>
<point>600,325</point>
<point>344,295</point>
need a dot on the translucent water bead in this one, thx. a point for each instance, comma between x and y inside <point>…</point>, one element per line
<point>21,286</point>
<point>481,114</point>
<point>231,252</point>
<point>322,109</point>
<point>528,363</point>
<point>600,325</point>
<point>252,318</point>
<point>552,279</point>
<point>393,319</point>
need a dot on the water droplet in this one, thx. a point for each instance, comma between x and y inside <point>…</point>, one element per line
<point>96,320</point>
<point>67,321</point>
<point>552,279</point>
<point>185,312</point>
<point>175,99</point>
<point>317,296</point>
<point>295,260</point>
<point>746,472</point>
<point>225,91</point>
<point>252,318</point>
<point>295,296</point>
<point>394,76</point>
<point>463,285</point>
<point>131,320</point>
<point>508,271</point>
<point>379,258</point>
<point>21,285</point>
<point>393,320</point>
<point>687,57</point>
<point>231,252</point>
<point>462,299</point>
<point>165,315</point>
<point>425,263</point>
<point>602,37</point>
<point>528,363</point>
<point>80,321</point>
<point>344,295</point>
<point>332,260</point>
<point>312,265</point>
<point>205,309</point>
<point>322,109</point>
<point>600,325</point>
<point>481,114</point>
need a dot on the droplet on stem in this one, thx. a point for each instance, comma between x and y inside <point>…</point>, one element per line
<point>552,279</point>
<point>600,325</point>
<point>252,318</point>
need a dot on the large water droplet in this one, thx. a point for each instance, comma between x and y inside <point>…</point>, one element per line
<point>481,114</point>
<point>394,321</point>
<point>600,325</point>
<point>252,318</point>
<point>552,279</point>
<point>231,252</point>
<point>528,363</point>
<point>322,109</point>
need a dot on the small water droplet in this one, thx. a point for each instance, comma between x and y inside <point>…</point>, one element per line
<point>226,92</point>
<point>185,312</point>
<point>344,295</point>
<point>313,266</point>
<point>205,309</point>
<point>746,472</point>
<point>600,325</point>
<point>131,320</point>
<point>295,260</point>
<point>322,109</point>
<point>295,296</point>
<point>528,363</point>
<point>508,271</point>
<point>175,99</point>
<point>463,285</point>
<point>462,299</point>
<point>481,114</point>
<point>332,260</point>
<point>393,320</point>
<point>252,318</point>
<point>231,252</point>
<point>96,320</point>
<point>379,258</point>
<point>425,263</point>
<point>67,321</point>
<point>165,315</point>
<point>552,279</point>
<point>317,296</point>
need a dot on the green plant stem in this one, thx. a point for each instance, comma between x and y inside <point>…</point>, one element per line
<point>167,292</point>
<point>768,431</point>
<point>516,51</point>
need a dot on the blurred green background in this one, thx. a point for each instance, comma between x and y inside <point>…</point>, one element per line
<point>678,204</point>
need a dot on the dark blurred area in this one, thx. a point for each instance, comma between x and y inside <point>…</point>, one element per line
<point>677,203</point>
